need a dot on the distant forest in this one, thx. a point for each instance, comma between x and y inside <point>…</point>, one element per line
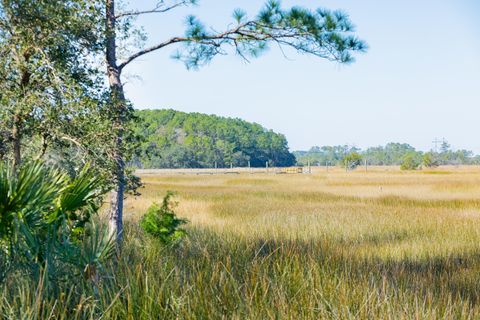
<point>390,154</point>
<point>174,139</point>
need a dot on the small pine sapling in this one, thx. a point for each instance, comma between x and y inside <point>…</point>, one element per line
<point>162,223</point>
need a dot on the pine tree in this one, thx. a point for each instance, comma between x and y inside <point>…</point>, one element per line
<point>322,33</point>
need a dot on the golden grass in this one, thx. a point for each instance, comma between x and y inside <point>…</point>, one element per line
<point>377,244</point>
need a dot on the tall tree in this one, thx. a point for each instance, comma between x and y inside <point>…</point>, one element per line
<point>321,33</point>
<point>45,47</point>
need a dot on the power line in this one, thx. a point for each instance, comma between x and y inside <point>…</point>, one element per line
<point>436,142</point>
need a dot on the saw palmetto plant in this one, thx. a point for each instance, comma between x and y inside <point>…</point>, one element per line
<point>45,223</point>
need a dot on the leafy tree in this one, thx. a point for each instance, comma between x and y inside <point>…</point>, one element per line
<point>321,33</point>
<point>462,157</point>
<point>352,160</point>
<point>429,160</point>
<point>45,49</point>
<point>410,162</point>
<point>391,154</point>
<point>326,155</point>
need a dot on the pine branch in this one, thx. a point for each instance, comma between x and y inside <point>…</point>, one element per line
<point>208,40</point>
<point>324,34</point>
<point>159,8</point>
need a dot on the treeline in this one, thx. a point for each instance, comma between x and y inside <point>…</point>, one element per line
<point>390,154</point>
<point>174,139</point>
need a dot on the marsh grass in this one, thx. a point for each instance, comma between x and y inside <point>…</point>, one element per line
<point>358,245</point>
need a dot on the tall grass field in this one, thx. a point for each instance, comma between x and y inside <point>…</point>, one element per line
<point>381,244</point>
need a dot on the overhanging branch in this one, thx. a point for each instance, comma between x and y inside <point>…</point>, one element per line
<point>321,34</point>
<point>159,8</point>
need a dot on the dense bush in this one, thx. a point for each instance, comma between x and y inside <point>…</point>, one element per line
<point>429,160</point>
<point>46,224</point>
<point>162,223</point>
<point>410,162</point>
<point>352,160</point>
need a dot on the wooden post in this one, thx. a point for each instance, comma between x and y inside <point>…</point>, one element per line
<point>266,165</point>
<point>366,165</point>
<point>309,167</point>
<point>326,165</point>
<point>216,171</point>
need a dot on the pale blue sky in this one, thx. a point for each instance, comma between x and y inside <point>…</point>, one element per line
<point>419,80</point>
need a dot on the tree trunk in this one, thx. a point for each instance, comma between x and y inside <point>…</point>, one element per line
<point>118,99</point>
<point>116,203</point>
<point>16,141</point>
<point>116,209</point>
<point>17,119</point>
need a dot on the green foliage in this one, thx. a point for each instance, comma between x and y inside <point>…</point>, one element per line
<point>174,139</point>
<point>390,154</point>
<point>46,50</point>
<point>410,161</point>
<point>323,33</point>
<point>45,222</point>
<point>352,160</point>
<point>162,223</point>
<point>51,94</point>
<point>429,160</point>
<point>331,155</point>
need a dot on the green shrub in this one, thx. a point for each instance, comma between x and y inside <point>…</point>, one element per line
<point>352,160</point>
<point>429,160</point>
<point>44,219</point>
<point>162,223</point>
<point>410,162</point>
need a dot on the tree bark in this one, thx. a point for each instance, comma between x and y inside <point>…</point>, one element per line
<point>16,141</point>
<point>17,119</point>
<point>119,101</point>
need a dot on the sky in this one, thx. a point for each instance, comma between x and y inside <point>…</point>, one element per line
<point>419,80</point>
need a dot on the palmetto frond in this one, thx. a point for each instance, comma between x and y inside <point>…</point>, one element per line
<point>27,195</point>
<point>43,216</point>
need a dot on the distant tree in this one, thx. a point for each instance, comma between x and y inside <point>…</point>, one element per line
<point>445,147</point>
<point>326,155</point>
<point>352,160</point>
<point>463,156</point>
<point>391,154</point>
<point>429,160</point>
<point>410,162</point>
